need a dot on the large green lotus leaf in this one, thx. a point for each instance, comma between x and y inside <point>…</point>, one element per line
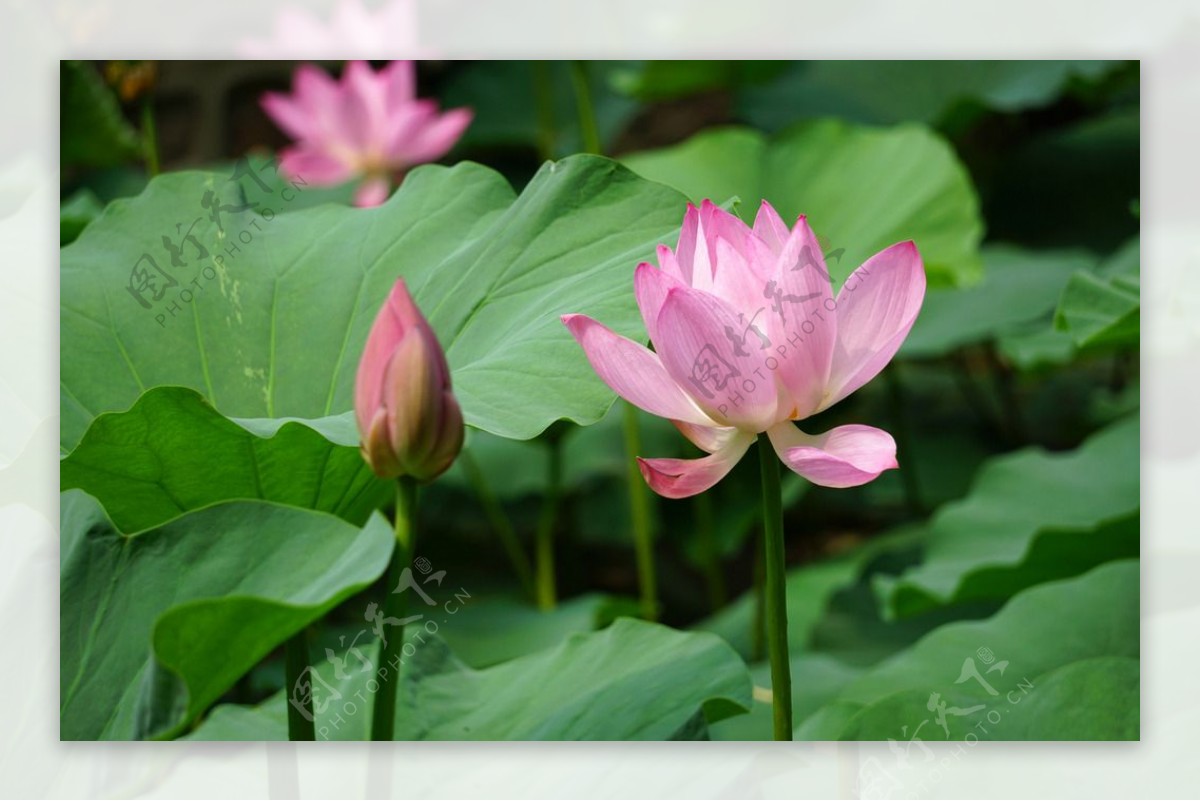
<point>1018,287</point>
<point>896,91</point>
<point>631,681</point>
<point>1037,345</point>
<point>863,189</point>
<point>278,331</point>
<point>1058,662</point>
<point>173,453</point>
<point>1091,699</point>
<point>1104,308</point>
<point>1031,516</point>
<point>490,631</point>
<point>156,625</point>
<point>809,590</point>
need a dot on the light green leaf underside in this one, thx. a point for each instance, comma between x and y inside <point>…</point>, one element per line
<point>1072,650</point>
<point>1031,516</point>
<point>173,453</point>
<point>1104,308</point>
<point>631,681</point>
<point>195,603</point>
<point>487,632</point>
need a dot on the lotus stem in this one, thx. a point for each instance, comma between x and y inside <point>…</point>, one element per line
<point>709,557</point>
<point>639,507</point>
<point>908,473</point>
<point>499,522</point>
<point>543,96</point>
<point>758,625</point>
<point>149,137</point>
<point>1006,388</point>
<point>547,593</point>
<point>588,131</point>
<point>383,719</point>
<point>300,725</point>
<point>776,591</point>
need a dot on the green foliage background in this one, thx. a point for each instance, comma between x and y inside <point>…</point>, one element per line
<point>214,502</point>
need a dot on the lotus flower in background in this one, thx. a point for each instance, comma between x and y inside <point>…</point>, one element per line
<point>748,337</point>
<point>369,125</point>
<point>410,421</point>
<point>390,29</point>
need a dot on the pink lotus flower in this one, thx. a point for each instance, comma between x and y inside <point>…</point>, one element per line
<point>370,125</point>
<point>378,34</point>
<point>748,337</point>
<point>409,419</point>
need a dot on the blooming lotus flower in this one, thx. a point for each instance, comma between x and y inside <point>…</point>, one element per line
<point>369,124</point>
<point>410,422</point>
<point>748,337</point>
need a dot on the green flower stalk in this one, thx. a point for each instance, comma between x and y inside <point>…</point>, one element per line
<point>412,430</point>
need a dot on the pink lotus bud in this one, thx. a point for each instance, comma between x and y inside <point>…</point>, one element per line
<point>410,422</point>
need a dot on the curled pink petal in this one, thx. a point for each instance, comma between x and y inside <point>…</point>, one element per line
<point>770,227</point>
<point>669,264</point>
<point>847,456</point>
<point>632,371</point>
<point>803,324</point>
<point>876,307</point>
<point>682,478</point>
<point>709,439</point>
<point>744,269</point>
<point>650,287</point>
<point>718,358</point>
<point>722,224</point>
<point>692,252</point>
